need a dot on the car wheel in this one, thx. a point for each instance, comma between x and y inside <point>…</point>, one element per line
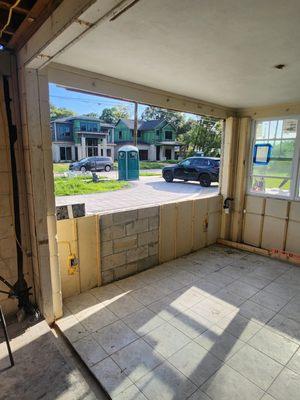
<point>107,168</point>
<point>186,180</point>
<point>168,176</point>
<point>83,169</point>
<point>205,180</point>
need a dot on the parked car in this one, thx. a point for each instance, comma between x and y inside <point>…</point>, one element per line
<point>202,169</point>
<point>92,164</point>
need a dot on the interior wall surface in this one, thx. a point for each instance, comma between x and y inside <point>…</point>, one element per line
<point>8,242</point>
<point>131,241</point>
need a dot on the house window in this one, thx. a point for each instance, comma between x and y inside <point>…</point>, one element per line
<point>120,135</point>
<point>83,127</point>
<point>92,147</point>
<point>65,153</point>
<point>168,135</point>
<point>275,158</point>
<point>157,132</point>
<point>108,151</point>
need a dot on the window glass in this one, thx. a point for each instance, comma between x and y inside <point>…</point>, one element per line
<point>275,177</point>
<point>185,163</point>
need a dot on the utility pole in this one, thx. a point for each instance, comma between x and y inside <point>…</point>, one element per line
<point>135,132</point>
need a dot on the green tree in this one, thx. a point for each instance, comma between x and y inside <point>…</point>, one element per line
<point>174,117</point>
<point>113,114</point>
<point>60,112</point>
<point>205,136</point>
<point>92,115</point>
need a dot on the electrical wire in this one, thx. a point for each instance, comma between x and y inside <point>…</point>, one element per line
<point>9,17</point>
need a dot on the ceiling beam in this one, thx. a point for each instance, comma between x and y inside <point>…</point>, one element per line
<point>93,83</point>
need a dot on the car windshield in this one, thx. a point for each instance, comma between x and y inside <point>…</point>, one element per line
<point>84,159</point>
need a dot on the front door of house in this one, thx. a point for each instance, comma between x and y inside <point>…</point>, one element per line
<point>157,153</point>
<point>168,154</point>
<point>92,147</point>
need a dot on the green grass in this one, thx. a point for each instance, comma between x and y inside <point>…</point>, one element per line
<point>273,183</point>
<point>150,173</point>
<point>151,164</point>
<point>60,168</point>
<point>84,185</point>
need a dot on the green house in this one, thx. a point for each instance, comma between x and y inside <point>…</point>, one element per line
<point>157,139</point>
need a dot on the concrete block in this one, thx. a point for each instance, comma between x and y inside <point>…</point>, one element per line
<point>147,237</point>
<point>113,232</point>
<point>106,220</point>
<point>106,248</point>
<point>153,222</point>
<point>138,226</point>
<point>107,276</point>
<point>147,263</point>
<point>114,260</point>
<point>153,249</point>
<point>148,212</point>
<point>124,217</point>
<point>125,270</point>
<point>125,243</point>
<point>137,254</point>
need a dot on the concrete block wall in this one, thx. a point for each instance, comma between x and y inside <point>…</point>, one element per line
<point>128,242</point>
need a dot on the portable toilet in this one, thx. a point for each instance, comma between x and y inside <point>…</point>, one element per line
<point>128,163</point>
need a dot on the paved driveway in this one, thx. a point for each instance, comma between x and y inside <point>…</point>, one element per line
<point>146,191</point>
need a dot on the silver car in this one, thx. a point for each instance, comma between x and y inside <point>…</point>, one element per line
<point>92,164</point>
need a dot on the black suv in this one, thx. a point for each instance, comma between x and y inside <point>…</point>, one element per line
<point>92,164</point>
<point>202,169</point>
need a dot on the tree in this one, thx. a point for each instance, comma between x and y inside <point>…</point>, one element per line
<point>92,115</point>
<point>174,117</point>
<point>113,114</point>
<point>205,136</point>
<point>59,112</point>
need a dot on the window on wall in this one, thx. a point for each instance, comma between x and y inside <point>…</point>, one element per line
<point>275,158</point>
<point>168,135</point>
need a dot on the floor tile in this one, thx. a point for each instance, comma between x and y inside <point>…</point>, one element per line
<point>148,294</point>
<point>168,285</point>
<point>219,279</point>
<point>89,350</point>
<point>283,290</point>
<point>132,283</point>
<point>286,327</point>
<point>107,293</point>
<point>292,309</point>
<point>275,346</point>
<point>219,342</point>
<point>294,363</point>
<point>166,383</point>
<point>229,297</point>
<point>80,302</point>
<point>286,386</point>
<point>98,319</point>
<point>111,377</point>
<point>115,336</point>
<point>255,312</point>
<point>204,288</point>
<point>184,277</point>
<point>131,393</point>
<point>256,281</point>
<point>166,308</point>
<point>190,323</point>
<point>269,300</point>
<point>255,366</point>
<point>195,363</point>
<point>143,321</point>
<point>72,328</point>
<point>166,339</point>
<point>199,395</point>
<point>212,309</point>
<point>239,326</point>
<point>137,359</point>
<point>242,289</point>
<point>227,384</point>
<point>186,296</point>
<point>124,305</point>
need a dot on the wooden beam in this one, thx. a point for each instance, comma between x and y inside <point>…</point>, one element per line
<point>90,82</point>
<point>275,110</point>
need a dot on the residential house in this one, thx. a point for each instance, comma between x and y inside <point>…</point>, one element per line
<point>156,139</point>
<point>74,138</point>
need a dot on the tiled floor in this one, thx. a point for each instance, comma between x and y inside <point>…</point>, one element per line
<point>218,324</point>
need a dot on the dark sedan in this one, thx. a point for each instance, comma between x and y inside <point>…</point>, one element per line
<point>202,169</point>
<point>92,164</point>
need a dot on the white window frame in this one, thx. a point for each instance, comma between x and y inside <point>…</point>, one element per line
<point>295,176</point>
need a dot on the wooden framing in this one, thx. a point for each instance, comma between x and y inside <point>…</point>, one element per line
<point>93,83</point>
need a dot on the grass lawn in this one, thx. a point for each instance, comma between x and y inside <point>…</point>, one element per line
<point>85,185</point>
<point>151,164</point>
<point>149,173</point>
<point>60,168</point>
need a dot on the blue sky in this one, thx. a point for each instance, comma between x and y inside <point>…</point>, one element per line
<point>82,103</point>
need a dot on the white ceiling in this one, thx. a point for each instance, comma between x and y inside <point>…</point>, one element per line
<point>221,51</point>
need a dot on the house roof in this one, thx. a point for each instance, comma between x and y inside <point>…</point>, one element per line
<point>83,117</point>
<point>143,125</point>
